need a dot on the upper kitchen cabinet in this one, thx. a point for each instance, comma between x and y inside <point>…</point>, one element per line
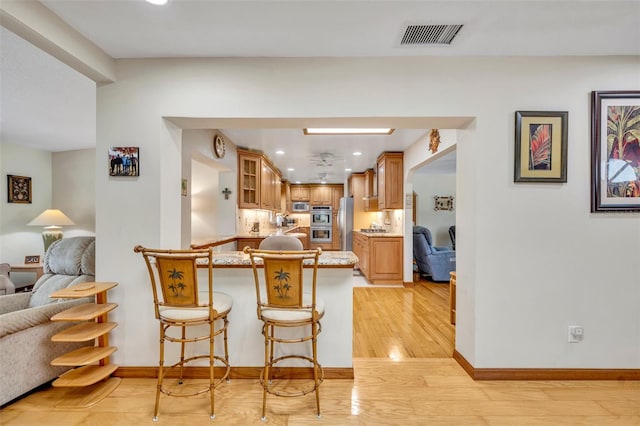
<point>300,193</point>
<point>259,182</point>
<point>370,191</point>
<point>249,173</point>
<point>269,187</point>
<point>390,178</point>
<point>321,195</point>
<point>337,191</point>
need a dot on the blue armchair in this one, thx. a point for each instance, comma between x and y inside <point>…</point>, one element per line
<point>435,262</point>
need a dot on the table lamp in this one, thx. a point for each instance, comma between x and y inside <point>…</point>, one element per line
<point>52,220</point>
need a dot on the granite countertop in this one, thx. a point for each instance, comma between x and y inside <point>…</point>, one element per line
<point>327,259</point>
<point>378,234</point>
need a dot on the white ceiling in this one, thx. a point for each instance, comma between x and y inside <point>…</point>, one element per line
<point>47,105</point>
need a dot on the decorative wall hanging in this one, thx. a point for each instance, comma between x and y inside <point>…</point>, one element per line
<point>443,203</point>
<point>541,146</point>
<point>124,161</point>
<point>31,259</point>
<point>434,140</point>
<point>18,189</point>
<point>226,193</point>
<point>615,151</point>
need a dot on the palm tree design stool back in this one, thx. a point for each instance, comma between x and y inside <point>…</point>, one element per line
<point>180,303</point>
<point>283,302</point>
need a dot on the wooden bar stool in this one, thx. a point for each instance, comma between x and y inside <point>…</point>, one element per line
<point>282,303</point>
<point>178,303</point>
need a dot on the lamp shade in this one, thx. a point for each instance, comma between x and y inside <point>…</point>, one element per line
<point>51,217</point>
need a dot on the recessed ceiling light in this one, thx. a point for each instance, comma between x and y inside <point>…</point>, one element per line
<point>323,182</point>
<point>347,131</point>
<point>298,181</point>
<point>357,153</point>
<point>157,2</point>
<point>290,169</point>
<point>280,152</point>
<point>347,170</point>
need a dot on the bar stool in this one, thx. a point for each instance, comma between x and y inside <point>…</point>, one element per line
<point>179,303</point>
<point>282,303</point>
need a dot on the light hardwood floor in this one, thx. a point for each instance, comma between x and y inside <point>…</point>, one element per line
<point>399,380</point>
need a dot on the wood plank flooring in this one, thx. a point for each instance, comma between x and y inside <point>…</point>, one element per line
<point>399,380</point>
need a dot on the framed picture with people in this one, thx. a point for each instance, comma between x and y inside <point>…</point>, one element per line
<point>124,161</point>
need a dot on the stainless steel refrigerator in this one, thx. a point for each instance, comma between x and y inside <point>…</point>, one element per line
<point>345,224</point>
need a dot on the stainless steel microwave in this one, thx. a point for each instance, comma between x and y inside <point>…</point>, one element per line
<point>298,206</point>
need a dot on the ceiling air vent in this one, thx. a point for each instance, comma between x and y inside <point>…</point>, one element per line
<point>429,34</point>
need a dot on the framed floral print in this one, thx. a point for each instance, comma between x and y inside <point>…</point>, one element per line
<point>18,189</point>
<point>541,146</point>
<point>615,151</point>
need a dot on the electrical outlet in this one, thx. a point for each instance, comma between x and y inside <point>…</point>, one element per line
<point>576,333</point>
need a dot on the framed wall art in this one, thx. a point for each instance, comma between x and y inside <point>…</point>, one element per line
<point>615,151</point>
<point>31,259</point>
<point>18,189</point>
<point>541,146</point>
<point>124,161</point>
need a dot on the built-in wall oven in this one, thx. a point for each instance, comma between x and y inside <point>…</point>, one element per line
<point>321,216</point>
<point>321,235</point>
<point>321,223</point>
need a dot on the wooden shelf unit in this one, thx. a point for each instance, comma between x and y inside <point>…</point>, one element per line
<point>93,361</point>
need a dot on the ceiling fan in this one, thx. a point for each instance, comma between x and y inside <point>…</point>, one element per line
<point>324,159</point>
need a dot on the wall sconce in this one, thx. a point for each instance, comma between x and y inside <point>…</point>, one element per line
<point>226,193</point>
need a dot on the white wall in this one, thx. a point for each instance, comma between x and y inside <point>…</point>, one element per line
<point>18,239</point>
<point>533,258</point>
<point>205,211</point>
<point>74,188</point>
<point>62,180</point>
<point>427,186</point>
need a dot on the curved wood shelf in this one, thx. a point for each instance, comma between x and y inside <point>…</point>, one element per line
<point>90,382</point>
<point>85,376</point>
<point>84,356</point>
<point>83,290</point>
<point>84,312</point>
<point>84,332</point>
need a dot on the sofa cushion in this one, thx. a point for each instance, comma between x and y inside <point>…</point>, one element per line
<point>65,256</point>
<point>47,284</point>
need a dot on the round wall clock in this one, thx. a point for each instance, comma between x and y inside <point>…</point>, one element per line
<point>219,146</point>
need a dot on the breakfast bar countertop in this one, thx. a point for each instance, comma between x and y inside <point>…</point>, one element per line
<point>328,259</point>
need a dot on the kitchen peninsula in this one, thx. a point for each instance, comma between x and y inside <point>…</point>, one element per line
<point>233,275</point>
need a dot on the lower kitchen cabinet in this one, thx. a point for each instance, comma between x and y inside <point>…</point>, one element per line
<point>379,258</point>
<point>253,243</point>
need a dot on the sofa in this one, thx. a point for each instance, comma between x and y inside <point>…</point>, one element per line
<point>435,262</point>
<point>6,285</point>
<point>26,328</point>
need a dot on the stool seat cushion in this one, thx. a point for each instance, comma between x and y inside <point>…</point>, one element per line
<point>222,303</point>
<point>294,315</point>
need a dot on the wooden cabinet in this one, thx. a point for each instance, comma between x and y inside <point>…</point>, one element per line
<point>370,197</point>
<point>355,184</point>
<point>254,243</point>
<point>269,187</point>
<point>305,240</point>
<point>321,195</point>
<point>92,362</point>
<point>390,178</point>
<point>249,173</point>
<point>285,196</point>
<point>361,250</point>
<point>336,193</point>
<point>379,258</point>
<point>300,193</point>
<point>258,182</point>
<point>452,298</point>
